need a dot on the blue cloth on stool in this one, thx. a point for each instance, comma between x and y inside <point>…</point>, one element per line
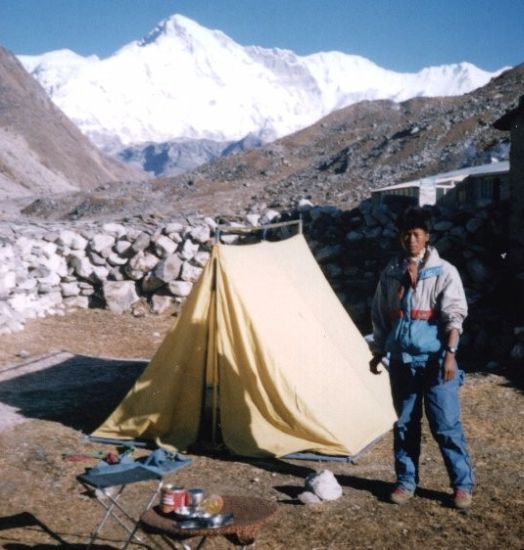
<point>154,466</point>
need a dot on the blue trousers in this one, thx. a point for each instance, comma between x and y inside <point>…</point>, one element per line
<point>413,385</point>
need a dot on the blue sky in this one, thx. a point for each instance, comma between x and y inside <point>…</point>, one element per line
<point>402,35</point>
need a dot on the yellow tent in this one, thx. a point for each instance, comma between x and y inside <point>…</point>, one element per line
<point>287,368</point>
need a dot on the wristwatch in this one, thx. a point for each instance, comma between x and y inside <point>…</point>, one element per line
<point>451,349</point>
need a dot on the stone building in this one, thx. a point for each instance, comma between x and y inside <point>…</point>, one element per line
<point>513,121</point>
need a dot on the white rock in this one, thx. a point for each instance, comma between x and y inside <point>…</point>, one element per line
<point>190,272</point>
<point>253,219</point>
<point>76,302</point>
<point>307,497</point>
<point>324,485</point>
<point>115,229</point>
<point>211,223</point>
<point>7,283</point>
<point>180,289</point>
<point>161,303</point>
<point>189,249</point>
<point>81,266</point>
<point>66,238</point>
<point>120,295</point>
<point>164,246</point>
<point>53,279</point>
<point>201,258</point>
<point>141,242</point>
<point>173,227</point>
<point>69,289</point>
<point>304,205</point>
<point>270,216</point>
<point>114,259</point>
<point>100,242</point>
<point>229,239</point>
<point>99,273</point>
<point>123,247</point>
<point>200,234</point>
<point>168,269</point>
<point>144,262</point>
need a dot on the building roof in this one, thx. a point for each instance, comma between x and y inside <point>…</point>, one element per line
<point>453,177</point>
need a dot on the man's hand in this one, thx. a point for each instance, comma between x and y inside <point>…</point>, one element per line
<point>450,367</point>
<point>374,363</point>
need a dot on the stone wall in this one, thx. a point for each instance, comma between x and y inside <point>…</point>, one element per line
<point>48,269</point>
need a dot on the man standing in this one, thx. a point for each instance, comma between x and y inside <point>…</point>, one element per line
<point>417,314</point>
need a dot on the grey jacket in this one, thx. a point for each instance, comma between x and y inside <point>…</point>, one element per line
<point>439,296</point>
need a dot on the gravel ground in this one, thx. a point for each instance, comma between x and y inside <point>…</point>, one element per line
<point>46,405</point>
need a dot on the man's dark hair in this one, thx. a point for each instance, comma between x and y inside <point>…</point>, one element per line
<point>414,217</point>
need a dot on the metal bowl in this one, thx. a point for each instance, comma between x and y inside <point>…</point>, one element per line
<point>219,520</point>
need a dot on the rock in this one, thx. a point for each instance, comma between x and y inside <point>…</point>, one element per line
<point>69,289</point>
<point>181,289</point>
<point>7,283</point>
<point>200,234</point>
<point>201,258</point>
<point>270,216</point>
<point>307,497</point>
<point>115,260</point>
<point>253,219</point>
<point>140,264</point>
<point>517,351</point>
<point>150,283</point>
<point>160,303</point>
<point>120,295</point>
<point>324,485</point>
<point>443,225</point>
<point>211,223</point>
<point>101,242</point>
<point>123,248</point>
<point>76,302</point>
<point>354,236</point>
<point>304,205</point>
<point>164,246</point>
<point>115,229</point>
<point>141,242</point>
<point>479,272</point>
<point>168,269</point>
<point>474,224</point>
<point>189,249</point>
<point>229,239</point>
<point>173,228</point>
<point>190,272</point>
<point>81,266</point>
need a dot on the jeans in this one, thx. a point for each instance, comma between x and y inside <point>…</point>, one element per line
<point>411,385</point>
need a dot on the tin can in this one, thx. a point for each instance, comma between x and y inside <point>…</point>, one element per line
<point>195,497</point>
<point>167,498</point>
<point>179,497</point>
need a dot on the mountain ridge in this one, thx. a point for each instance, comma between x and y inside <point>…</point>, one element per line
<point>201,84</point>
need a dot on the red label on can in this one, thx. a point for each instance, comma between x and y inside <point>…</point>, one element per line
<point>180,498</point>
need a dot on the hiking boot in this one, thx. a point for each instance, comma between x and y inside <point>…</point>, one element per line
<point>401,495</point>
<point>462,499</point>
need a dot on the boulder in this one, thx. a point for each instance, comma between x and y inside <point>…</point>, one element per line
<point>324,485</point>
<point>141,242</point>
<point>188,250</point>
<point>164,246</point>
<point>190,272</point>
<point>168,269</point>
<point>200,234</point>
<point>101,242</point>
<point>120,295</point>
<point>180,289</point>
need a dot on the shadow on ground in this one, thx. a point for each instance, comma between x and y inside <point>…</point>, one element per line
<point>78,391</point>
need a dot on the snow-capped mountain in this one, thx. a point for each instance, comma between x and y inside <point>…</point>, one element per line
<point>186,82</point>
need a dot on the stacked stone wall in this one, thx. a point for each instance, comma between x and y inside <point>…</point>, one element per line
<point>48,269</point>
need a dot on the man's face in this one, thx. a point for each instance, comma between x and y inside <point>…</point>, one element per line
<point>414,240</point>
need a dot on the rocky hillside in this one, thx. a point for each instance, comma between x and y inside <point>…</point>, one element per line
<point>336,161</point>
<point>41,150</point>
<point>373,144</point>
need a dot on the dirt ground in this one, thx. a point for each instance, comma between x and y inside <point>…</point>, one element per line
<point>47,405</point>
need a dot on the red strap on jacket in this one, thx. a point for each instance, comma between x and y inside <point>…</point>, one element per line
<point>416,314</point>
